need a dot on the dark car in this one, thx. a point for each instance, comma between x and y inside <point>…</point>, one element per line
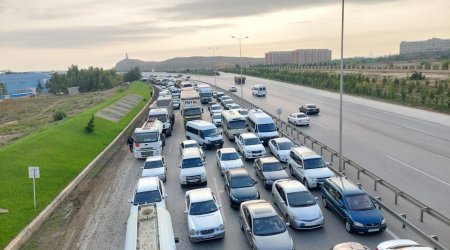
<point>240,186</point>
<point>309,109</point>
<point>350,202</point>
<point>269,169</point>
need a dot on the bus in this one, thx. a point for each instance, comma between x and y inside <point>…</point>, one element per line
<point>233,123</point>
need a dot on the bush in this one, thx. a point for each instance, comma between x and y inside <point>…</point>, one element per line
<point>59,115</point>
<point>90,126</point>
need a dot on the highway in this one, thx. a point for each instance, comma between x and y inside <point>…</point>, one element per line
<point>408,147</point>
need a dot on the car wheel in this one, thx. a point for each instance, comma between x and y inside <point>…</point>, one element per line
<point>240,225</point>
<point>348,226</point>
<point>291,171</point>
<point>288,219</point>
<point>324,202</point>
<point>296,124</point>
<point>278,157</point>
<point>305,183</point>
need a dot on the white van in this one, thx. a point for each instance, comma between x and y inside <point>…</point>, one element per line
<point>205,133</point>
<point>192,167</point>
<point>262,125</point>
<point>233,123</point>
<point>259,90</point>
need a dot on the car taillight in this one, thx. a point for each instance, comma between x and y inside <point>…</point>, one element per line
<point>137,144</point>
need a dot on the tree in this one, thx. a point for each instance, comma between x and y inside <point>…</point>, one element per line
<point>417,76</point>
<point>2,89</point>
<point>90,126</point>
<point>133,75</point>
<point>39,88</point>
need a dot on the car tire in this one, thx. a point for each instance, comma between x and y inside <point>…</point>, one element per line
<point>240,225</point>
<point>291,171</point>
<point>348,226</point>
<point>324,202</point>
<point>305,183</point>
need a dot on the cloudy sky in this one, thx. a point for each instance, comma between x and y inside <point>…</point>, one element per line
<point>53,34</point>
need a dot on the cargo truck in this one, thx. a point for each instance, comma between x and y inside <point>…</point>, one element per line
<point>148,139</point>
<point>150,228</point>
<point>191,108</point>
<point>239,80</point>
<point>162,114</point>
<point>205,92</point>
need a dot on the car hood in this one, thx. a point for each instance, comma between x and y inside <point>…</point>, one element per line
<point>232,164</point>
<point>307,213</point>
<point>192,171</point>
<point>244,193</point>
<point>366,216</point>
<point>152,172</point>
<point>276,175</point>
<point>284,152</point>
<point>254,147</point>
<point>205,221</point>
<point>320,172</point>
<point>274,242</point>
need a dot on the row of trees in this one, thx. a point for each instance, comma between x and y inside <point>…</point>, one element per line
<point>90,79</point>
<point>435,95</point>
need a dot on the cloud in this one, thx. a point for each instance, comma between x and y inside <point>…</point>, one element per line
<point>87,37</point>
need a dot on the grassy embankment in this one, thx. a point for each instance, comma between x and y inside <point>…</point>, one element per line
<point>61,151</point>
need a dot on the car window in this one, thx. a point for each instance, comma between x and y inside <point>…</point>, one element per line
<point>272,166</point>
<point>192,163</point>
<point>147,197</point>
<point>230,156</point>
<point>274,144</point>
<point>252,141</point>
<point>153,164</point>
<point>314,163</point>
<point>301,199</point>
<point>285,145</point>
<point>268,226</point>
<point>241,181</point>
<point>203,207</point>
<point>359,202</point>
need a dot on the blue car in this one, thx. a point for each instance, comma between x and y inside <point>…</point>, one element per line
<point>360,212</point>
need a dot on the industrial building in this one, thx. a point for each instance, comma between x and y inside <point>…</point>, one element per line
<point>430,45</point>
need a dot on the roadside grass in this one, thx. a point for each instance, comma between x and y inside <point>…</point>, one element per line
<point>61,151</point>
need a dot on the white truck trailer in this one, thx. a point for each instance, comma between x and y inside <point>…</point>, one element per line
<point>191,108</point>
<point>148,139</point>
<point>150,228</point>
<point>162,114</point>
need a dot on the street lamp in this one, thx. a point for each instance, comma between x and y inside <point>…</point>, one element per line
<point>341,89</point>
<point>240,58</point>
<point>213,49</point>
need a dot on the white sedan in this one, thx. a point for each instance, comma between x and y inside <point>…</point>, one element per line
<point>228,158</point>
<point>401,244</point>
<point>203,215</point>
<point>298,119</point>
<point>232,89</point>
<point>280,148</point>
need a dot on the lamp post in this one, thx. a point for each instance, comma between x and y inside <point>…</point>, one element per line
<point>341,90</point>
<point>240,58</point>
<point>213,50</point>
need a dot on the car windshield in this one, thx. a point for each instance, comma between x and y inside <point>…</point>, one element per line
<point>268,127</point>
<point>192,111</point>
<point>272,166</point>
<point>312,106</point>
<point>192,163</point>
<point>205,94</point>
<point>217,116</point>
<point>230,156</point>
<point>147,197</point>
<point>153,164</point>
<point>301,199</point>
<point>204,207</point>
<point>215,107</point>
<point>191,145</point>
<point>243,112</point>
<point>161,117</point>
<point>241,181</point>
<point>314,163</point>
<point>301,116</point>
<point>228,101</point>
<point>237,124</point>
<point>285,145</point>
<point>235,106</point>
<point>268,226</point>
<point>209,133</point>
<point>146,137</point>
<point>360,202</point>
<point>252,141</point>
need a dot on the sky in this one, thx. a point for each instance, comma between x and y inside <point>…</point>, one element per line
<point>54,34</point>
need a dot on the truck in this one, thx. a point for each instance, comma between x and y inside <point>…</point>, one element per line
<point>162,114</point>
<point>190,105</point>
<point>148,139</point>
<point>239,79</point>
<point>167,103</point>
<point>205,92</point>
<point>150,228</point>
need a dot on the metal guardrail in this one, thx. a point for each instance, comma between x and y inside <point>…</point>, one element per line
<point>285,128</point>
<point>99,161</point>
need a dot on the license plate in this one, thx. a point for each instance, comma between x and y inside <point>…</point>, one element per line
<point>373,230</point>
<point>193,180</point>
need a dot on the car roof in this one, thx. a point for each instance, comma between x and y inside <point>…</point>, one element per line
<point>216,105</point>
<point>154,158</point>
<point>147,184</point>
<point>200,123</point>
<point>191,153</point>
<point>227,150</point>
<point>291,186</point>
<point>298,113</point>
<point>238,172</point>
<point>281,139</point>
<point>260,208</point>
<point>248,135</point>
<point>350,246</point>
<point>269,159</point>
<point>345,186</point>
<point>199,195</point>
<point>186,142</point>
<point>305,152</point>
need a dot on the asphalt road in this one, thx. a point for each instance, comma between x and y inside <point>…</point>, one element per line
<point>408,147</point>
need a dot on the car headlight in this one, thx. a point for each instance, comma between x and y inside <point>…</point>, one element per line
<point>313,180</point>
<point>234,198</point>
<point>192,232</point>
<point>162,176</point>
<point>295,217</point>
<point>383,221</point>
<point>221,227</point>
<point>248,151</point>
<point>203,176</point>
<point>268,181</point>
<point>357,224</point>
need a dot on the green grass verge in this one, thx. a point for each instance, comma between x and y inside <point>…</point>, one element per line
<point>61,151</point>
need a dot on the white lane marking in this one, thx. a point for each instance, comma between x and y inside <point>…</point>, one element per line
<point>170,148</point>
<point>216,187</point>
<point>418,170</point>
<point>392,234</point>
<point>444,157</point>
<point>318,124</point>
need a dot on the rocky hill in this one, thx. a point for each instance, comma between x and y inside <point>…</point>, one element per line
<point>180,63</point>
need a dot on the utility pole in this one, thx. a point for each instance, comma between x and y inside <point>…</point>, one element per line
<point>214,68</point>
<point>240,59</point>
<point>341,90</point>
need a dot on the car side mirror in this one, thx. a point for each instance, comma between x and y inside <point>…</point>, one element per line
<point>261,141</point>
<point>181,112</point>
<point>179,165</point>
<point>288,223</point>
<point>316,198</point>
<point>130,200</point>
<point>186,211</point>
<point>165,195</point>
<point>203,110</point>
<point>282,202</point>
<point>142,167</point>
<point>278,129</point>
<point>219,206</point>
<point>328,164</point>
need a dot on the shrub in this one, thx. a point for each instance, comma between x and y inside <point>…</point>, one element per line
<point>90,125</point>
<point>59,115</point>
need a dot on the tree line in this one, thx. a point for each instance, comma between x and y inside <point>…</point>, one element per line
<point>411,91</point>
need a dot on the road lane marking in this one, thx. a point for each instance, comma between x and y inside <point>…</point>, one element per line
<point>218,193</point>
<point>170,148</point>
<point>418,170</point>
<point>318,124</point>
<point>392,234</point>
<point>444,157</point>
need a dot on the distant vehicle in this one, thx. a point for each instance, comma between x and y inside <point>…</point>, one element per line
<point>166,102</point>
<point>240,186</point>
<point>149,218</point>
<point>269,169</point>
<point>216,119</point>
<point>249,146</point>
<point>192,167</point>
<point>203,215</point>
<point>234,106</point>
<point>262,125</point>
<point>214,93</point>
<point>190,106</point>
<point>224,98</point>
<point>297,204</point>
<point>191,144</point>
<point>309,109</point>
<point>349,246</point>
<point>402,244</point>
<point>205,92</point>
<point>233,123</point>
<point>226,104</point>
<point>280,148</point>
<point>205,133</point>
<point>148,139</point>
<point>176,104</point>
<point>263,227</point>
<point>298,119</point>
<point>215,108</point>
<point>232,89</point>
<point>259,90</point>
<point>360,212</point>
<point>243,112</point>
<point>162,114</point>
<point>239,80</point>
<point>219,94</point>
<point>228,158</point>
<point>148,190</point>
<point>155,166</point>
